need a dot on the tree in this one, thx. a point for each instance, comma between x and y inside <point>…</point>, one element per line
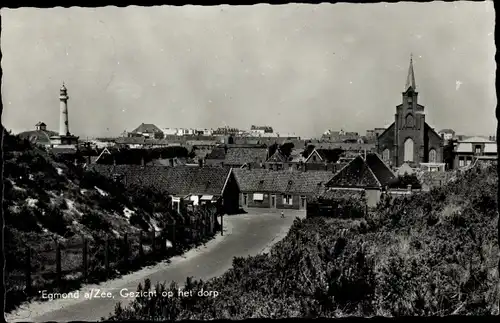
<point>448,154</point>
<point>308,150</point>
<point>286,148</point>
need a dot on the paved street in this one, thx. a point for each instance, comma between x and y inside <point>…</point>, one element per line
<point>247,234</point>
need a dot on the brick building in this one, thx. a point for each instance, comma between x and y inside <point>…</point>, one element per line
<point>263,188</point>
<point>369,174</point>
<point>474,149</point>
<point>409,138</point>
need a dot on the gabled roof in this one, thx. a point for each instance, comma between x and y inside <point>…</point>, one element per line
<point>361,173</point>
<point>277,157</point>
<point>380,169</point>
<point>146,128</point>
<point>240,156</point>
<point>181,180</point>
<point>269,181</point>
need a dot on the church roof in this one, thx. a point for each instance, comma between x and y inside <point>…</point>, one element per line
<point>410,79</point>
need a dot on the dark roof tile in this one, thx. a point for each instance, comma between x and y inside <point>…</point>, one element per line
<point>240,156</point>
<point>263,180</point>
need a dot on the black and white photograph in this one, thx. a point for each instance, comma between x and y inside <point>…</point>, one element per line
<point>300,160</point>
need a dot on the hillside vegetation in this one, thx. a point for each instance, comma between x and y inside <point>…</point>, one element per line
<point>434,253</point>
<point>48,199</point>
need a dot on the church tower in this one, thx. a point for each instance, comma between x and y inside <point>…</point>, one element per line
<point>409,124</point>
<point>63,117</point>
<point>410,139</point>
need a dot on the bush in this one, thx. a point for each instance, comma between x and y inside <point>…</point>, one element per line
<point>428,254</point>
<point>94,221</point>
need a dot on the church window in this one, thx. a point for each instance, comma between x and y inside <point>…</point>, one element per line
<point>408,152</point>
<point>386,154</point>
<point>461,162</point>
<point>409,121</point>
<point>432,156</point>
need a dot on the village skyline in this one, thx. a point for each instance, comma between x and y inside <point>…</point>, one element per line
<point>301,69</point>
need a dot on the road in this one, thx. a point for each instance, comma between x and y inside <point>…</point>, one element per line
<point>246,234</point>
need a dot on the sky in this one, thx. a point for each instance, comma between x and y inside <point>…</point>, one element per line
<point>301,68</point>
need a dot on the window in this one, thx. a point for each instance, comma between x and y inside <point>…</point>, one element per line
<point>386,154</point>
<point>302,201</point>
<point>409,121</point>
<point>461,162</point>
<point>469,161</point>
<point>287,200</point>
<point>314,158</point>
<point>432,156</point>
<point>258,197</point>
<point>408,156</point>
<point>478,149</point>
<point>245,199</point>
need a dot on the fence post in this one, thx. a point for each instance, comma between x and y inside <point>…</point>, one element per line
<point>28,270</point>
<point>106,256</point>
<point>58,265</point>
<point>85,259</point>
<point>141,248</point>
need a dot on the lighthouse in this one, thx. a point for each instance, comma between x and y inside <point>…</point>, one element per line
<point>63,117</point>
<point>64,137</point>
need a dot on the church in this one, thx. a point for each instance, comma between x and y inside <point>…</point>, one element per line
<point>409,139</point>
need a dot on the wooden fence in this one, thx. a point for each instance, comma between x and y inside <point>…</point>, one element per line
<point>57,265</point>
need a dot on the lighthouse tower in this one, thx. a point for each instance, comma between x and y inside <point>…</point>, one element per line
<point>64,138</point>
<point>63,117</point>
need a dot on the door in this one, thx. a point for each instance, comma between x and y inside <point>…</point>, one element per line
<point>273,201</point>
<point>303,203</point>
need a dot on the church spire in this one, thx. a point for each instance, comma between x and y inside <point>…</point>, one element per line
<point>410,79</point>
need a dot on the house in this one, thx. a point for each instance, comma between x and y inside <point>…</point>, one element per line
<point>251,157</point>
<point>216,157</point>
<point>279,161</point>
<point>187,186</point>
<point>410,139</point>
<point>474,149</point>
<point>369,174</point>
<point>148,130</point>
<point>40,136</point>
<point>264,188</point>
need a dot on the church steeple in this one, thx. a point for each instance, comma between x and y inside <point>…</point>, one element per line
<point>410,79</point>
